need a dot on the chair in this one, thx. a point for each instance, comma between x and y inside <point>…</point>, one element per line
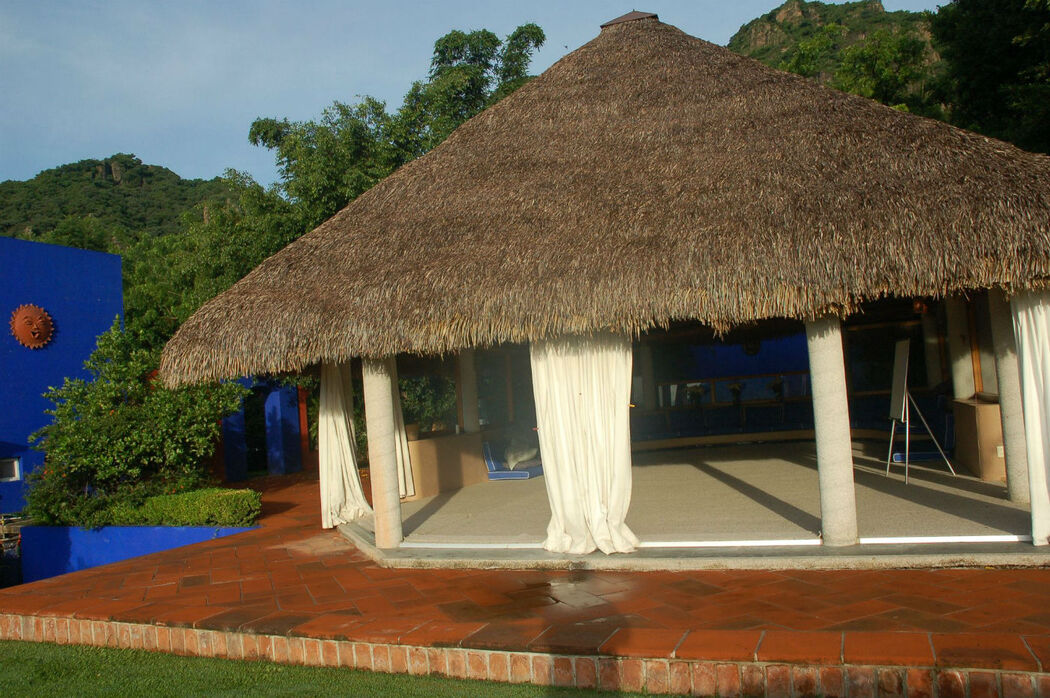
<point>498,471</point>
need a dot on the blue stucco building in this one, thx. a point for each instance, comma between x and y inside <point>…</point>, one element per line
<point>81,292</point>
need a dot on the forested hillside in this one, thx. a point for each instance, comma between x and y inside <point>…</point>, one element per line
<point>983,65</point>
<point>858,47</point>
<point>117,195</point>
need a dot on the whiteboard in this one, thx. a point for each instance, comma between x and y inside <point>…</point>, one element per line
<point>899,394</point>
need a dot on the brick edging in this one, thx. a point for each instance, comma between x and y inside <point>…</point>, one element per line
<point>696,677</point>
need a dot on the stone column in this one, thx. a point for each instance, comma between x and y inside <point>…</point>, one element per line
<point>468,390</point>
<point>960,354</point>
<point>1010,407</point>
<point>838,499</point>
<point>377,376</point>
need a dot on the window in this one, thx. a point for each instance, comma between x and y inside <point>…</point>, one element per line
<point>10,470</point>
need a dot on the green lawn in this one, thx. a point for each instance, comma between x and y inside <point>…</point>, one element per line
<point>43,669</point>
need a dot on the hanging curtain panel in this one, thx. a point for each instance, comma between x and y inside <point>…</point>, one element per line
<point>342,497</point>
<point>1031,311</point>
<point>582,388</point>
<point>405,482</point>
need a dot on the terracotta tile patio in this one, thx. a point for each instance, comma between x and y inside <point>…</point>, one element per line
<point>290,592</point>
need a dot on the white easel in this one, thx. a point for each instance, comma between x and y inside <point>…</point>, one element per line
<point>901,403</point>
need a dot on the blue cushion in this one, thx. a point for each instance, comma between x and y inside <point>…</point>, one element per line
<point>498,471</point>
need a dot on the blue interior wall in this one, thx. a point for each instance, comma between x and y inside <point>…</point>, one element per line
<point>81,291</point>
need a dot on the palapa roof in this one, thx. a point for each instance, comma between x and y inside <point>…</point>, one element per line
<point>645,178</point>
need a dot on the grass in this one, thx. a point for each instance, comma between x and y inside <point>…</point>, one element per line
<point>44,669</point>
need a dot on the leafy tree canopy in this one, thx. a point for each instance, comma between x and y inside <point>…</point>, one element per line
<point>325,164</point>
<point>998,64</point>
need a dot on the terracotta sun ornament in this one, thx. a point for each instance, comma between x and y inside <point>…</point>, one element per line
<point>32,326</point>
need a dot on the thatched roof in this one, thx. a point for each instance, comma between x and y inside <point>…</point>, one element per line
<point>646,177</point>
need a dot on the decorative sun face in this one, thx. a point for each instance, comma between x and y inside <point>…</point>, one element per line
<point>32,326</point>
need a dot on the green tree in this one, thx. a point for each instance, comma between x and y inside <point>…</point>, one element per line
<point>327,163</point>
<point>120,436</point>
<point>816,54</point>
<point>998,60</point>
<point>885,67</point>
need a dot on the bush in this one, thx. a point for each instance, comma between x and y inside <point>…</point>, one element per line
<point>121,437</point>
<point>213,506</point>
<point>427,399</point>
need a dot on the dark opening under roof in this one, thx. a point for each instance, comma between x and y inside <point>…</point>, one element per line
<point>630,17</point>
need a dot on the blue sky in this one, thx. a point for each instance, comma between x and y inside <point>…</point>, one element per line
<point>178,83</point>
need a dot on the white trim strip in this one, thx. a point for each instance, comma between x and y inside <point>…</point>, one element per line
<point>771,543</point>
<point>774,543</point>
<point>471,546</point>
<point>898,540</point>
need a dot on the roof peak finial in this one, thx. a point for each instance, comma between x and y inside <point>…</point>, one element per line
<point>630,17</point>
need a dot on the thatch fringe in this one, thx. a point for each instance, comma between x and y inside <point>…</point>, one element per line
<point>645,178</point>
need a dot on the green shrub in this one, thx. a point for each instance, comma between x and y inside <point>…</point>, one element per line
<point>121,437</point>
<point>213,506</point>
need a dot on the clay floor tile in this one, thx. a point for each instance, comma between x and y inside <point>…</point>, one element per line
<point>778,681</point>
<point>860,682</point>
<point>574,638</point>
<point>477,666</point>
<point>381,658</point>
<point>398,659</point>
<point>279,623</point>
<point>804,681</point>
<point>983,651</point>
<point>800,647</point>
<point>520,667</point>
<point>728,678</point>
<point>514,636</point>
<point>437,661</point>
<point>719,645</point>
<point>457,662</point>
<point>642,642</point>
<point>657,676</point>
<point>586,672</point>
<point>833,682</point>
<point>632,675</point>
<point>1040,646</point>
<point>951,684</point>
<point>499,666</point>
<point>680,677</point>
<point>441,634</point>
<point>387,631</point>
<point>752,681</point>
<point>331,626</point>
<point>888,648</point>
<point>984,684</point>
<point>920,683</point>
<point>1018,685</point>
<point>705,678</point>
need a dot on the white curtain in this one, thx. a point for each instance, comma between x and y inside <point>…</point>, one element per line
<point>342,497</point>
<point>1031,311</point>
<point>405,482</point>
<point>582,388</point>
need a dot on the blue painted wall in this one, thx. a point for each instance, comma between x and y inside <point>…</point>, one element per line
<point>48,551</point>
<point>281,417</point>
<point>81,290</point>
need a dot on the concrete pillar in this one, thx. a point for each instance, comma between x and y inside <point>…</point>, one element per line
<point>645,362</point>
<point>468,391</point>
<point>1010,407</point>
<point>959,348</point>
<point>838,499</point>
<point>378,378</point>
<point>931,347</point>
